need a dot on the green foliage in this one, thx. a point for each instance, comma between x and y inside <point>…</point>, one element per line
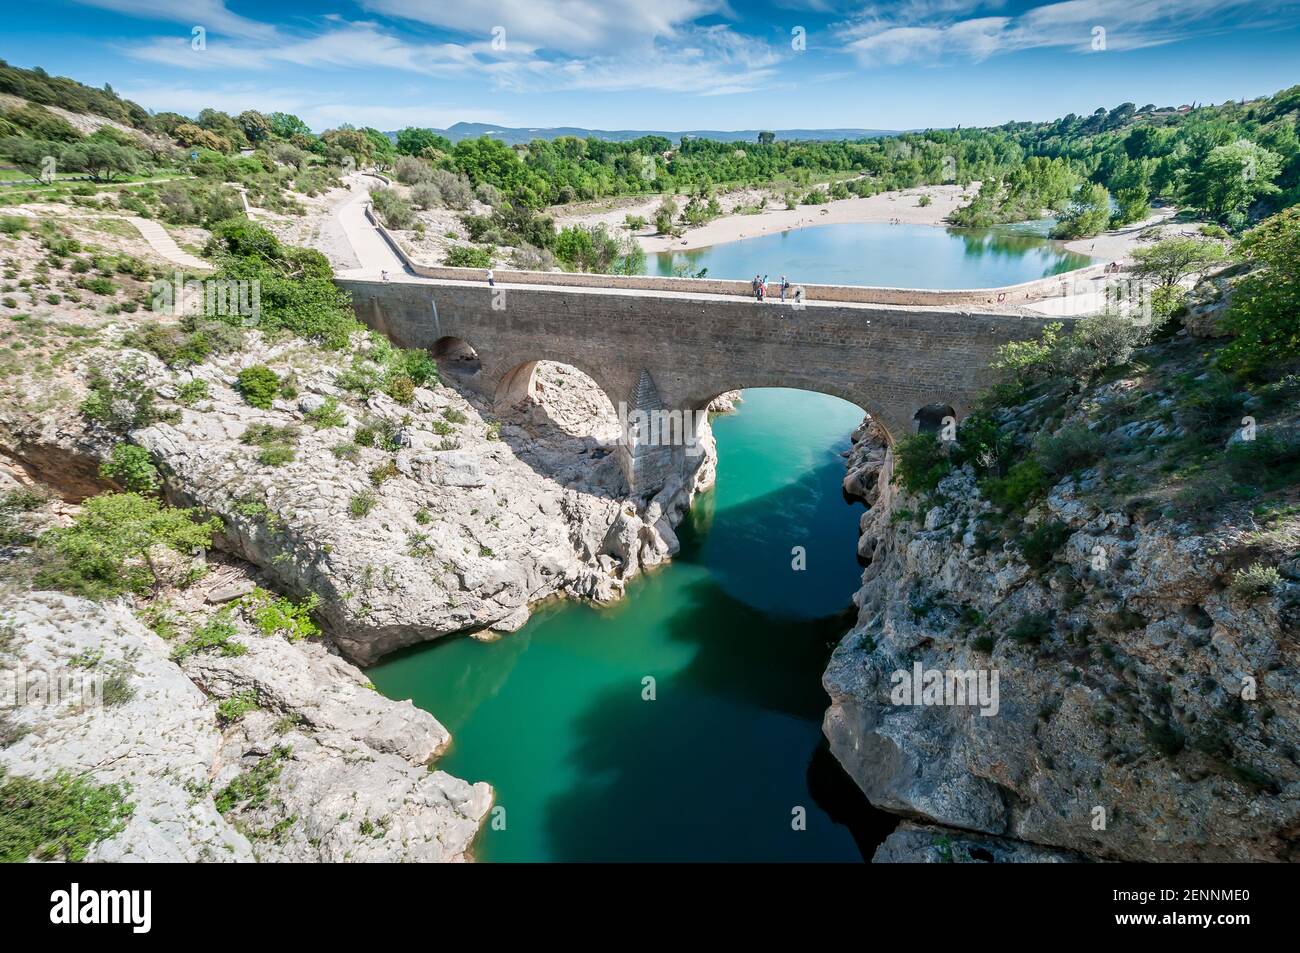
<point>1231,177</point>
<point>1031,629</point>
<point>1040,544</point>
<point>193,391</point>
<point>1265,303</point>
<point>1256,580</point>
<point>921,462</point>
<point>401,388</point>
<point>213,636</point>
<point>1070,449</point>
<point>251,788</point>
<point>131,468</point>
<point>361,504</point>
<point>191,343</point>
<point>1023,482</point>
<point>1088,213</point>
<point>59,818</point>
<point>276,443</point>
<point>467,256</point>
<point>258,385</point>
<point>230,710</point>
<point>297,293</point>
<point>1169,261</point>
<point>104,552</point>
<point>329,414</point>
<point>382,472</point>
<point>1270,462</point>
<point>121,399</point>
<point>393,210</point>
<point>273,615</point>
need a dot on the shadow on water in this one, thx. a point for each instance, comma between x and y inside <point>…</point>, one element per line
<point>736,639</point>
<point>664,784</point>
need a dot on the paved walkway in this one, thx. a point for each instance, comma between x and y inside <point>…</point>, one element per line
<point>371,250</point>
<point>165,245</point>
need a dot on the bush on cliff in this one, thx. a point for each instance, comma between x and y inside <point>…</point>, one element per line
<point>258,385</point>
<point>109,549</point>
<point>1265,311</point>
<point>296,287</point>
<point>921,462</point>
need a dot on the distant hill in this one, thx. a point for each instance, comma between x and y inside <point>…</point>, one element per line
<point>515,136</point>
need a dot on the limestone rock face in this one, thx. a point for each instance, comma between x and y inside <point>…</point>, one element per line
<point>346,769</point>
<point>923,844</point>
<point>1129,710</point>
<point>464,517</point>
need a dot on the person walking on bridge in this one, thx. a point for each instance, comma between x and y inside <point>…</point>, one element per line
<point>785,286</point>
<point>490,279</point>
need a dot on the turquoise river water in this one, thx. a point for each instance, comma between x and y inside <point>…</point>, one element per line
<point>715,766</point>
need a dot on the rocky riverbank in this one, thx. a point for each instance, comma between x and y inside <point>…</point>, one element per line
<point>1144,635</point>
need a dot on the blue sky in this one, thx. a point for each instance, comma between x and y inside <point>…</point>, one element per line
<point>665,64</point>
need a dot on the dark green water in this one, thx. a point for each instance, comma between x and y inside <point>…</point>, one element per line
<point>736,641</point>
<point>884,255</point>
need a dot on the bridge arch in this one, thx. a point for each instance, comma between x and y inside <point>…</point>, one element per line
<point>456,354</point>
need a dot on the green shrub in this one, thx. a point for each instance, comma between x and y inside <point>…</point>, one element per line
<point>1023,482</point>
<point>381,472</point>
<point>1070,449</point>
<point>230,710</point>
<point>1040,544</point>
<point>258,385</point>
<point>276,443</point>
<point>1265,303</point>
<point>921,461</point>
<point>251,788</point>
<point>131,468</point>
<point>192,392</point>
<point>59,818</point>
<point>361,504</point>
<point>467,256</point>
<point>104,552</point>
<point>1256,580</point>
<point>120,400</point>
<point>1270,461</point>
<point>280,616</point>
<point>214,635</point>
<point>1030,629</point>
<point>401,388</point>
<point>327,415</point>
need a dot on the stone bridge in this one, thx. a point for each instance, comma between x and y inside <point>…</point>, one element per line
<point>655,351</point>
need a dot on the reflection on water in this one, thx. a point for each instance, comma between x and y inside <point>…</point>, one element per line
<point>883,255</point>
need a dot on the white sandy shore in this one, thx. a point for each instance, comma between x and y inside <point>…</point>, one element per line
<point>887,206</point>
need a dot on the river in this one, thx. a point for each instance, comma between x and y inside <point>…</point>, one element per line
<point>718,764</point>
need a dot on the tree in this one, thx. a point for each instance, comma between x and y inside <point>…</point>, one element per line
<point>1232,177</point>
<point>101,159</point>
<point>287,125</point>
<point>1088,214</point>
<point>255,126</point>
<point>1169,261</point>
<point>1265,304</point>
<point>412,141</point>
<point>665,215</point>
<point>31,155</point>
<point>766,138</point>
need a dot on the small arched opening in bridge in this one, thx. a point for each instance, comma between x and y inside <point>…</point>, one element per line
<point>931,417</point>
<point>549,394</point>
<point>456,357</point>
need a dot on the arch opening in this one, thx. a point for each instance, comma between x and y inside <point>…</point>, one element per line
<point>931,417</point>
<point>456,356</point>
<point>542,394</point>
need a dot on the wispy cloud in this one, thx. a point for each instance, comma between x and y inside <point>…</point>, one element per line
<point>212,15</point>
<point>936,30</point>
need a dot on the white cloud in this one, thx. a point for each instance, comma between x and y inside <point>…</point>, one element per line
<point>938,30</point>
<point>563,26</point>
<point>212,15</point>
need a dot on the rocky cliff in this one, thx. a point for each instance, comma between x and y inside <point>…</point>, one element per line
<point>1141,616</point>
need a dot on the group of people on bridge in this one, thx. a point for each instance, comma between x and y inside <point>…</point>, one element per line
<point>759,288</point>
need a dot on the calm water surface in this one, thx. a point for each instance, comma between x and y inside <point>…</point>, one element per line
<point>736,640</point>
<point>883,255</point>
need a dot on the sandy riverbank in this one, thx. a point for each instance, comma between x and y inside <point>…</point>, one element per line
<point>887,206</point>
